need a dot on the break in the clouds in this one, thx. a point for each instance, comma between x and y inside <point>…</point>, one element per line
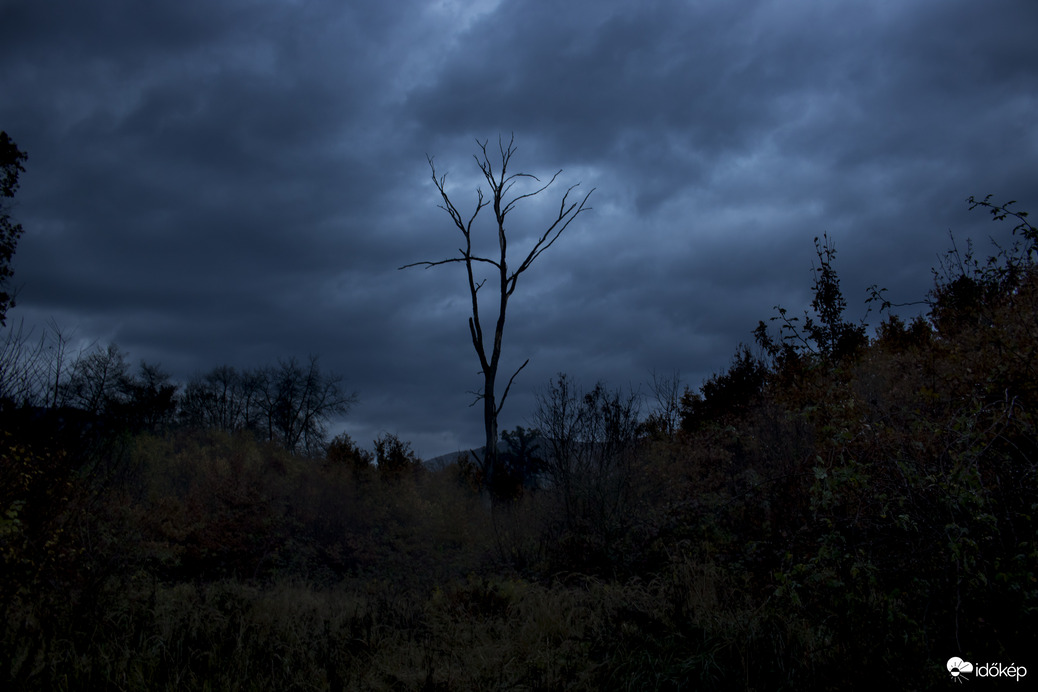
<point>230,182</point>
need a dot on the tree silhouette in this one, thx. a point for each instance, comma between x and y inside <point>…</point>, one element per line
<point>289,403</point>
<point>394,457</point>
<point>520,464</point>
<point>826,335</point>
<point>98,381</point>
<point>500,182</point>
<point>297,400</point>
<point>11,159</point>
<point>725,395</point>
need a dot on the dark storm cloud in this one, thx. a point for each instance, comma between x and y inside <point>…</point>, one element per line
<point>236,182</point>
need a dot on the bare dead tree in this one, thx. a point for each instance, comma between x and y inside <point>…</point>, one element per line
<point>22,366</point>
<point>290,403</point>
<point>501,183</point>
<point>298,400</point>
<point>666,390</point>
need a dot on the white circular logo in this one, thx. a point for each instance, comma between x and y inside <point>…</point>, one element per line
<point>956,666</point>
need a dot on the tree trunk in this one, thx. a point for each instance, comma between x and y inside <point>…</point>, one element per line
<point>490,423</point>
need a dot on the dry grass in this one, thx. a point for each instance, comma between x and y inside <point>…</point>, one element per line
<point>241,567</point>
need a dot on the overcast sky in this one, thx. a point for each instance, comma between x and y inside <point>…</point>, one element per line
<point>233,182</point>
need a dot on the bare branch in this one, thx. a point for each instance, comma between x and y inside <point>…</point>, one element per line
<point>485,165</point>
<point>431,264</point>
<point>566,217</point>
<point>450,260</point>
<point>509,385</point>
<point>508,207</point>
<point>510,181</point>
<point>479,397</point>
<point>506,154</point>
<point>476,330</point>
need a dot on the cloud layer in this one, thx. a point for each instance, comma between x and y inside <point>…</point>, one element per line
<point>231,182</point>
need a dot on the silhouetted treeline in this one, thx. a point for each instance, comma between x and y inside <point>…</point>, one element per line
<point>878,494</point>
<point>12,160</point>
<point>289,403</point>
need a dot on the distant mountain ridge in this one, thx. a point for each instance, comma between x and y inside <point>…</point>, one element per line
<point>539,444</point>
